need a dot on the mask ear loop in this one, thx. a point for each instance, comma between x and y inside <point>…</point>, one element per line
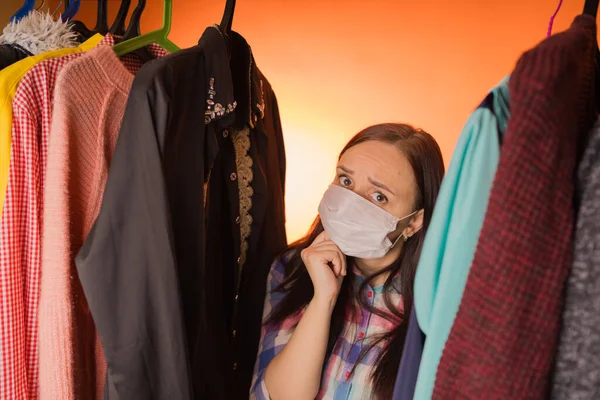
<point>397,240</point>
<point>403,236</point>
<point>409,215</point>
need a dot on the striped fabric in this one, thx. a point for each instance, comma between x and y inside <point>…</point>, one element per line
<point>339,381</point>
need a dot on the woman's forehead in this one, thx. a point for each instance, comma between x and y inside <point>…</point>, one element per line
<point>375,154</point>
<point>379,160</point>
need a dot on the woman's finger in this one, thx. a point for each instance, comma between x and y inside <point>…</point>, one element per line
<point>322,237</point>
<point>330,246</point>
<point>336,261</point>
<point>330,257</point>
<point>326,245</point>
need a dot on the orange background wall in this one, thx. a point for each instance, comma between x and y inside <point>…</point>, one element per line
<point>340,65</point>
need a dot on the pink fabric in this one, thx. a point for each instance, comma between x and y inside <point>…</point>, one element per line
<point>20,241</point>
<point>89,103</point>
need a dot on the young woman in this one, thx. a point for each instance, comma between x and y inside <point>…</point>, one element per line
<point>334,314</point>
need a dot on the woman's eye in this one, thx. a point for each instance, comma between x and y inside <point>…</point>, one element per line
<point>379,197</point>
<point>344,180</point>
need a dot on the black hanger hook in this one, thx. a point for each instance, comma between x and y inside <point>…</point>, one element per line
<point>227,20</point>
<point>102,18</point>
<point>118,26</point>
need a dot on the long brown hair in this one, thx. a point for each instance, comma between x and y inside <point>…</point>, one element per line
<point>425,157</point>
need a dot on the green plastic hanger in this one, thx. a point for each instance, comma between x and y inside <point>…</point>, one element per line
<point>160,36</point>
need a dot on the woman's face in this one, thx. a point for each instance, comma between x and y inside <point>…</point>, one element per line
<point>380,173</point>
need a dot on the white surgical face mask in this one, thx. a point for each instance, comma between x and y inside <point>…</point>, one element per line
<point>356,225</point>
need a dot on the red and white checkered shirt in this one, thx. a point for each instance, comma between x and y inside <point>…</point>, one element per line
<point>21,224</point>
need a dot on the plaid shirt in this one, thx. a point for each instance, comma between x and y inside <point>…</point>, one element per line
<point>21,223</point>
<point>338,382</point>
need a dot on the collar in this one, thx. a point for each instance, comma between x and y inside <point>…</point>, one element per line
<point>235,85</point>
<point>20,49</point>
<point>248,84</point>
<point>112,68</point>
<point>39,33</point>
<point>359,278</point>
<point>91,43</point>
<point>108,40</point>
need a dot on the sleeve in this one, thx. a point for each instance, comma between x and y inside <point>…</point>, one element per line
<point>19,262</point>
<point>274,336</point>
<point>127,265</point>
<point>452,239</point>
<point>406,379</point>
<point>279,138</point>
<point>58,334</point>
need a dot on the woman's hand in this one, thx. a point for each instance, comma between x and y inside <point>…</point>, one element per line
<point>326,265</point>
<point>295,373</point>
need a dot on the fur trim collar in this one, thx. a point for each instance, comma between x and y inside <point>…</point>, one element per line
<point>38,33</point>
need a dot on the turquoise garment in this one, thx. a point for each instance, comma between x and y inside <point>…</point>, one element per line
<point>452,236</point>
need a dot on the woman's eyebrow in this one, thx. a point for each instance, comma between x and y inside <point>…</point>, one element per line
<point>346,170</point>
<point>381,185</point>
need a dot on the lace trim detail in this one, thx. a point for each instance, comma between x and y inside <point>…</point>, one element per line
<point>215,110</point>
<point>243,161</point>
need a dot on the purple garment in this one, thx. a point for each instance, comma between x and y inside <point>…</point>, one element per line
<point>411,360</point>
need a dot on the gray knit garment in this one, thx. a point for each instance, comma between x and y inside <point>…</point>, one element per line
<point>577,364</point>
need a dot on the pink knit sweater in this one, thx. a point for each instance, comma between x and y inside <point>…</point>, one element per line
<point>89,103</point>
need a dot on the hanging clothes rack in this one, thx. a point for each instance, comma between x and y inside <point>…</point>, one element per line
<point>159,36</point>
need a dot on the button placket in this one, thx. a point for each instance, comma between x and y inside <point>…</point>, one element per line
<point>365,320</point>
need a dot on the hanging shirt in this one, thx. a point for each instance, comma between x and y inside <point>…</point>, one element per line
<point>339,382</point>
<point>454,230</point>
<point>11,53</point>
<point>35,33</point>
<point>408,372</point>
<point>89,102</point>
<point>39,32</point>
<point>504,337</point>
<point>197,187</point>
<point>10,78</point>
<point>577,363</point>
<point>20,227</point>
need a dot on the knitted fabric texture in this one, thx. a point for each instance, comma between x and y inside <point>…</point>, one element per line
<point>89,103</point>
<point>21,169</point>
<point>504,338</point>
<point>577,365</point>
